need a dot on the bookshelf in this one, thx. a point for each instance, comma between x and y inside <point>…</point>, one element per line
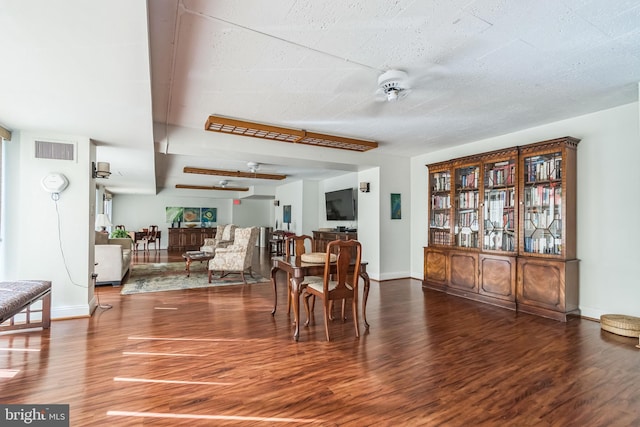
<point>499,206</point>
<point>467,202</point>
<point>547,268</point>
<point>440,224</point>
<point>502,228</point>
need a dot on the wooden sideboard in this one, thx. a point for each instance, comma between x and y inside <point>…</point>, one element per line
<point>322,238</point>
<point>188,239</point>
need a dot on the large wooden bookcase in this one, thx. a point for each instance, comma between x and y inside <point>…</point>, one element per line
<point>502,228</point>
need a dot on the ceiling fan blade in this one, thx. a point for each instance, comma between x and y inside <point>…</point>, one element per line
<point>212,187</point>
<point>238,174</point>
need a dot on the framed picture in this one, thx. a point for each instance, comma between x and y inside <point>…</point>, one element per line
<point>208,215</point>
<point>396,208</point>
<point>174,214</point>
<point>286,214</point>
<point>191,214</point>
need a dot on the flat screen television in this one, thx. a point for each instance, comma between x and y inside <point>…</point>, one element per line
<point>341,205</point>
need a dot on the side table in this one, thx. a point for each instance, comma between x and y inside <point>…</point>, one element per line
<point>191,256</point>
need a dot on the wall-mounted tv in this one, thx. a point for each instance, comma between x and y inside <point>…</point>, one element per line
<point>341,205</point>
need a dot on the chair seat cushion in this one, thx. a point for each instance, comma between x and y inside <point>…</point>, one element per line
<point>319,286</point>
<point>312,279</point>
<point>317,257</point>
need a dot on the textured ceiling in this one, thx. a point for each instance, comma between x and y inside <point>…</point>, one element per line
<point>477,69</point>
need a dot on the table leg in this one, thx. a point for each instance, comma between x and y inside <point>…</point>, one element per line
<point>274,270</point>
<point>295,295</point>
<point>188,266</point>
<point>365,295</point>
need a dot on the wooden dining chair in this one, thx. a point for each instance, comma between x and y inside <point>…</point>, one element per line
<point>296,246</point>
<point>340,283</point>
<point>151,237</point>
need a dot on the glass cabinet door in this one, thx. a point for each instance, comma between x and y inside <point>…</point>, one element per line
<point>543,204</point>
<point>440,209</point>
<point>499,206</point>
<point>466,206</point>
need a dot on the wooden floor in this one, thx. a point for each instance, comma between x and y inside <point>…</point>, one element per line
<point>217,357</point>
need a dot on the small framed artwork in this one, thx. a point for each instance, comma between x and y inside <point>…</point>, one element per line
<point>191,214</point>
<point>174,214</point>
<point>208,215</point>
<point>396,206</point>
<point>286,214</point>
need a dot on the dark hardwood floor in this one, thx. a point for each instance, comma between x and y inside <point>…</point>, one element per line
<point>216,357</point>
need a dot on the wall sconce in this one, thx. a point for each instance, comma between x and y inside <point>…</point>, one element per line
<point>364,187</point>
<point>103,170</point>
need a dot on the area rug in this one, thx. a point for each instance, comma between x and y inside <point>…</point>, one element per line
<point>171,276</point>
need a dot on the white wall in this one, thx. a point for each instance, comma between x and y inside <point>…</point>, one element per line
<point>395,177</point>
<point>608,203</point>
<point>369,211</point>
<point>310,207</point>
<point>252,213</point>
<point>290,195</point>
<point>44,239</point>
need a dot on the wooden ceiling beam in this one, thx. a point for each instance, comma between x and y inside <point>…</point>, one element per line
<point>237,174</point>
<point>212,187</point>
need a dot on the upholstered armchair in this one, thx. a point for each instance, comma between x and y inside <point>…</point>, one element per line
<point>223,238</point>
<point>236,258</point>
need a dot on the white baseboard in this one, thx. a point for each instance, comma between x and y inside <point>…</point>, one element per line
<point>69,312</point>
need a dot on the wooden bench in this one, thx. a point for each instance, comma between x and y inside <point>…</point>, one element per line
<point>18,297</point>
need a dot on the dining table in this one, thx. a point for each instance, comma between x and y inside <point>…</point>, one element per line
<point>298,269</point>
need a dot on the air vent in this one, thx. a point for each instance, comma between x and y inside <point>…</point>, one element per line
<point>54,150</point>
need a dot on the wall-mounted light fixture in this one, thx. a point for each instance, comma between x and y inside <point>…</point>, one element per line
<point>364,187</point>
<point>103,170</point>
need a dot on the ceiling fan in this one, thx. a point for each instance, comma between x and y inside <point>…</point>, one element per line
<point>393,85</point>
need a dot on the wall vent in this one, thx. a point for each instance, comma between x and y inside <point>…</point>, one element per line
<point>54,150</point>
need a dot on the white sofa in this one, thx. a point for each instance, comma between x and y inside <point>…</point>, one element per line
<point>113,259</point>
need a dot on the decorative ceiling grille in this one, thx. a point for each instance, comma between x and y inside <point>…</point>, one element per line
<point>276,133</point>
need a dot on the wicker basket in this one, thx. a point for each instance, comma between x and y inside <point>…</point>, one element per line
<point>621,324</point>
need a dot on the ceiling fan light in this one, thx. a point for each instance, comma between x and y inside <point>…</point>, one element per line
<point>392,95</point>
<point>253,166</point>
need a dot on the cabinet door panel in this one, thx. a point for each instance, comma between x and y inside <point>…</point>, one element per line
<point>498,277</point>
<point>541,284</point>
<point>464,271</point>
<point>435,267</point>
